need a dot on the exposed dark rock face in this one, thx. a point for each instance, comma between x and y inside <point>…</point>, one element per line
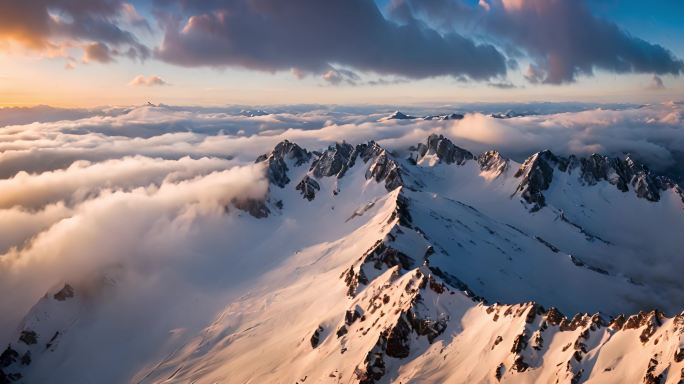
<point>66,292</point>
<point>52,341</point>
<point>519,343</point>
<point>456,283</point>
<point>397,115</point>
<point>381,256</point>
<point>8,357</point>
<point>499,372</point>
<point>492,161</point>
<point>28,337</point>
<point>651,377</point>
<point>341,331</point>
<point>373,368</point>
<point>398,343</point>
<point>519,364</point>
<point>553,317</point>
<point>536,175</point>
<point>334,161</point>
<point>353,279</point>
<point>384,256</point>
<point>26,358</point>
<point>277,161</point>
<point>622,174</point>
<point>452,116</point>
<point>308,187</point>
<point>509,115</point>
<point>395,341</point>
<point>382,167</point>
<point>340,157</point>
<point>679,355</point>
<point>426,327</point>
<point>316,337</point>
<point>650,321</point>
<point>444,149</point>
<point>352,315</point>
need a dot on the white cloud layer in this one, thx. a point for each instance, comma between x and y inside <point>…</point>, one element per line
<point>140,192</point>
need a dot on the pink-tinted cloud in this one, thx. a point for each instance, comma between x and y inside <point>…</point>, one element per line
<point>49,26</point>
<point>151,81</point>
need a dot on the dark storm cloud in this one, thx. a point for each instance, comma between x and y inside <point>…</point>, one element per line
<point>46,24</point>
<point>311,36</point>
<point>566,40</point>
<point>562,38</point>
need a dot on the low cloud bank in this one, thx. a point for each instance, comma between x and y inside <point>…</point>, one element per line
<point>139,194</point>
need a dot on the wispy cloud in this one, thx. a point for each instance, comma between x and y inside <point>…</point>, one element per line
<point>656,83</point>
<point>150,81</point>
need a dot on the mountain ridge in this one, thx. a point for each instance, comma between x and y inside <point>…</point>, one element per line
<point>399,276</point>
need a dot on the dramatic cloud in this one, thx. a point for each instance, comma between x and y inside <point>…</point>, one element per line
<point>312,36</point>
<point>342,41</point>
<point>51,26</point>
<point>562,38</point>
<point>150,81</point>
<point>566,40</point>
<point>121,231</point>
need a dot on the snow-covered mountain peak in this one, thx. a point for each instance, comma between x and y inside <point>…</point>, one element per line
<point>278,159</point>
<point>438,149</point>
<point>398,115</point>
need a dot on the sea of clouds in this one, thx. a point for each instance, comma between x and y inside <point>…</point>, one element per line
<point>140,192</point>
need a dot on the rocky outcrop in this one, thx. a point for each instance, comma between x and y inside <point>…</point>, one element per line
<point>443,149</point>
<point>623,174</point>
<point>397,115</point>
<point>308,187</point>
<point>380,256</point>
<point>409,320</point>
<point>492,161</point>
<point>65,293</point>
<point>382,167</point>
<point>334,161</point>
<point>340,157</point>
<point>28,337</point>
<point>451,116</point>
<point>316,337</point>
<point>535,175</point>
<point>284,152</point>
